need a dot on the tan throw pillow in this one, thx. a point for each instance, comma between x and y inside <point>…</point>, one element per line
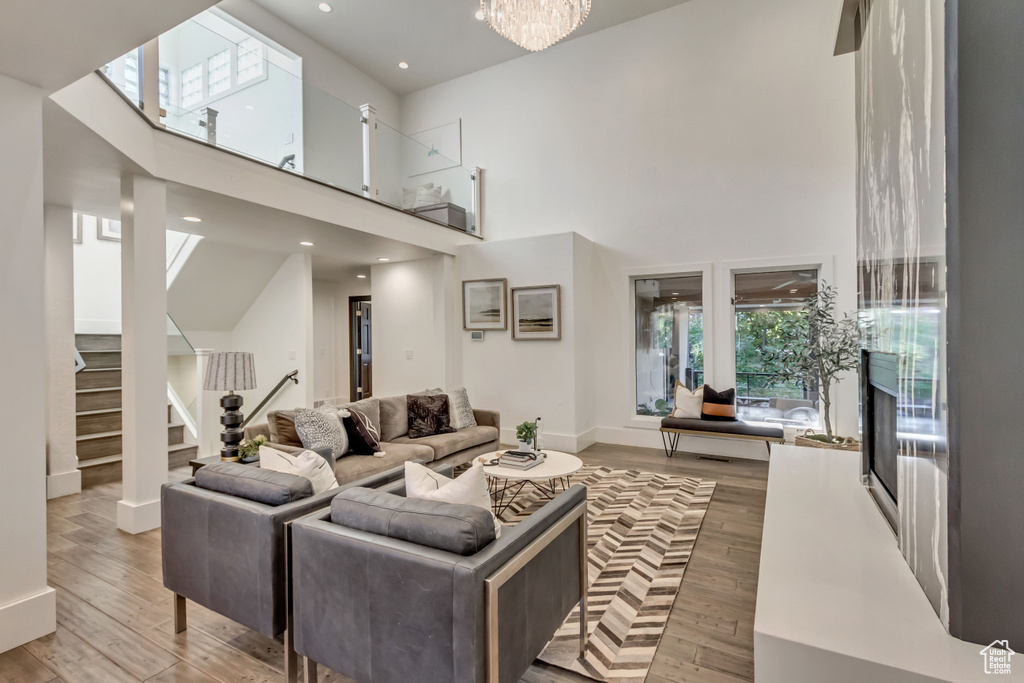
<point>281,424</point>
<point>688,403</point>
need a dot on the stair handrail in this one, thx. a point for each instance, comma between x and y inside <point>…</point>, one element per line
<point>79,362</point>
<point>293,376</point>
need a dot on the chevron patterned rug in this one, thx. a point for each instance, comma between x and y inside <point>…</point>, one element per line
<point>642,528</point>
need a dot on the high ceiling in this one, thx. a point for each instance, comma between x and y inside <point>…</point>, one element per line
<point>439,39</point>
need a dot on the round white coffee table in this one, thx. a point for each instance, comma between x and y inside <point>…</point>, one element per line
<point>506,483</point>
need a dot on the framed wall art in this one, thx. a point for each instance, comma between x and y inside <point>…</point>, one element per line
<point>537,313</point>
<point>483,304</point>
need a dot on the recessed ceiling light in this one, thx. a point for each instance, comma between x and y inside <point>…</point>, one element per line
<point>480,15</point>
<point>324,7</point>
<point>384,259</point>
<point>192,219</point>
<point>403,65</point>
<point>361,277</point>
<point>306,244</point>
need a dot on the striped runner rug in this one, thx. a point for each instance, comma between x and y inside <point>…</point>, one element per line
<point>642,528</point>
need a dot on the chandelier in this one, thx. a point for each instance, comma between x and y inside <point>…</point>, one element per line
<point>535,24</point>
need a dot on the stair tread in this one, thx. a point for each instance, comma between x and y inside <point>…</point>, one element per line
<point>103,460</point>
<point>101,411</point>
<point>119,432</point>
<point>96,390</point>
<point>99,370</point>
<point>181,446</point>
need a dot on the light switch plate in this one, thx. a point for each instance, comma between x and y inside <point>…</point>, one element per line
<point>408,354</point>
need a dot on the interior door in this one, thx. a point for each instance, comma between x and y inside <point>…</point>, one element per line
<point>361,366</point>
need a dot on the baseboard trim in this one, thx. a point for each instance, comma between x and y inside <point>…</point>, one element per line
<point>136,518</point>
<point>25,620</point>
<point>63,484</point>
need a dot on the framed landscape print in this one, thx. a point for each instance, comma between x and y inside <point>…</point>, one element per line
<point>536,313</point>
<point>483,304</point>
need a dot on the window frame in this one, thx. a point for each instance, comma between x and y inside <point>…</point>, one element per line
<point>706,272</point>
<point>229,64</point>
<point>202,86</point>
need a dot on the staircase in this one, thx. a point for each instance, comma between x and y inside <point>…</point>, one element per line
<point>98,413</point>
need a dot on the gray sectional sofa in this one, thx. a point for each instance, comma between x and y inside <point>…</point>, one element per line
<point>390,416</point>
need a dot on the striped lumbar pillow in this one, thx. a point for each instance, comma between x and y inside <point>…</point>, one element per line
<point>718,405</point>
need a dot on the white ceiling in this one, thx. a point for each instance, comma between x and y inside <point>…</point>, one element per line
<point>440,39</point>
<point>52,43</point>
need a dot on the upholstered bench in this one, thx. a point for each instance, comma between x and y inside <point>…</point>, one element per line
<point>673,427</point>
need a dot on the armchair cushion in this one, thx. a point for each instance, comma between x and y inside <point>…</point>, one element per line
<point>460,529</point>
<point>253,483</point>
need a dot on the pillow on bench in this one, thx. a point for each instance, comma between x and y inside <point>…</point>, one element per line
<point>460,529</point>
<point>253,483</point>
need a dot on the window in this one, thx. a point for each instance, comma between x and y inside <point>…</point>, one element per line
<point>250,59</point>
<point>165,88</point>
<point>192,86</point>
<point>763,302</point>
<point>669,339</point>
<point>219,72</point>
<point>131,75</point>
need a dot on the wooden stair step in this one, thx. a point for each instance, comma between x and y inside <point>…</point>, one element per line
<point>98,378</point>
<point>97,399</point>
<point>98,342</point>
<point>101,359</point>
<point>95,421</point>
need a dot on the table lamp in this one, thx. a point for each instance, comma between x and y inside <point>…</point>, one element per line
<point>230,371</point>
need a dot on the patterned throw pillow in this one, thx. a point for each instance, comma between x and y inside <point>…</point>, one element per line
<point>321,429</point>
<point>429,415</point>
<point>364,439</point>
<point>461,412</point>
<point>719,405</point>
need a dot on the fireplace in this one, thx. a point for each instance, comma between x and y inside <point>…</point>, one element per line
<point>879,392</point>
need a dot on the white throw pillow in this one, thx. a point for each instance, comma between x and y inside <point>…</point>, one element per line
<point>688,403</point>
<point>460,410</point>
<point>469,488</point>
<point>305,464</point>
<point>427,196</point>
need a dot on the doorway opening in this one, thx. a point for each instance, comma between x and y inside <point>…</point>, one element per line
<point>361,344</point>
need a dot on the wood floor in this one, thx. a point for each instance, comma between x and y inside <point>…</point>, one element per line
<point>114,615</point>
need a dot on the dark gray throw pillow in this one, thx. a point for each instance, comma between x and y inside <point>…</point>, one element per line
<point>252,483</point>
<point>460,529</point>
<point>429,415</point>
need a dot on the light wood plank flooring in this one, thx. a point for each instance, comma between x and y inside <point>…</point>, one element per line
<point>114,615</point>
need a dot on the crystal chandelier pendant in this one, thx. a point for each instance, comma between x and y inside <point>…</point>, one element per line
<point>535,24</point>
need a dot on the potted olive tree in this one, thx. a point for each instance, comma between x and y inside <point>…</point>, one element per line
<point>817,347</point>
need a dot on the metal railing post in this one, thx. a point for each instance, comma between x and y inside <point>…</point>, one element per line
<point>210,124</point>
<point>476,175</point>
<point>369,121</point>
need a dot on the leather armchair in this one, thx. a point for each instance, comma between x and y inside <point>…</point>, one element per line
<point>230,554</point>
<point>391,611</point>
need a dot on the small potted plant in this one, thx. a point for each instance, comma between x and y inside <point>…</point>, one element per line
<point>525,433</point>
<point>249,450</point>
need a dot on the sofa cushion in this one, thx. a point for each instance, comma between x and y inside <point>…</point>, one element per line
<point>370,407</point>
<point>724,427</point>
<point>281,424</point>
<point>444,445</point>
<point>355,467</point>
<point>253,483</point>
<point>428,415</point>
<point>460,529</point>
<point>394,417</point>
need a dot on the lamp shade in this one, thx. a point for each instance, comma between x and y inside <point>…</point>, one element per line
<point>230,371</point>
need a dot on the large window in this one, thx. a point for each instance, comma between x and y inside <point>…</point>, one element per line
<point>219,68</point>
<point>250,59</point>
<point>192,86</point>
<point>164,85</point>
<point>763,301</point>
<point>669,339</point>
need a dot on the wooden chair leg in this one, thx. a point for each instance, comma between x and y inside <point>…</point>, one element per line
<point>308,670</point>
<point>180,620</point>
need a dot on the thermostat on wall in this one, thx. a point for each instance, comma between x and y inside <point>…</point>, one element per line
<point>476,335</point>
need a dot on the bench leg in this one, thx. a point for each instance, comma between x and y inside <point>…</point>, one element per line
<point>308,670</point>
<point>670,440</point>
<point>180,620</point>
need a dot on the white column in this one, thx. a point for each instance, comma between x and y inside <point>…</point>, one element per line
<point>28,608</point>
<point>150,69</point>
<point>144,351</point>
<point>369,150</point>
<point>205,407</point>
<point>62,475</point>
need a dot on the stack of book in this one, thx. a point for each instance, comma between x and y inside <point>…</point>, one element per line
<point>521,461</point>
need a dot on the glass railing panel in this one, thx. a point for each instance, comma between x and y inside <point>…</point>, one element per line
<point>417,177</point>
<point>125,73</point>
<point>182,371</point>
<point>334,140</point>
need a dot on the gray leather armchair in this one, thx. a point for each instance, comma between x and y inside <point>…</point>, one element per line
<point>391,611</point>
<point>230,554</point>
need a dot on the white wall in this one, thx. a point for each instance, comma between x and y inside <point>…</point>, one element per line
<point>97,282</point>
<point>411,314</point>
<point>711,132</point>
<point>27,604</point>
<point>331,334</point>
